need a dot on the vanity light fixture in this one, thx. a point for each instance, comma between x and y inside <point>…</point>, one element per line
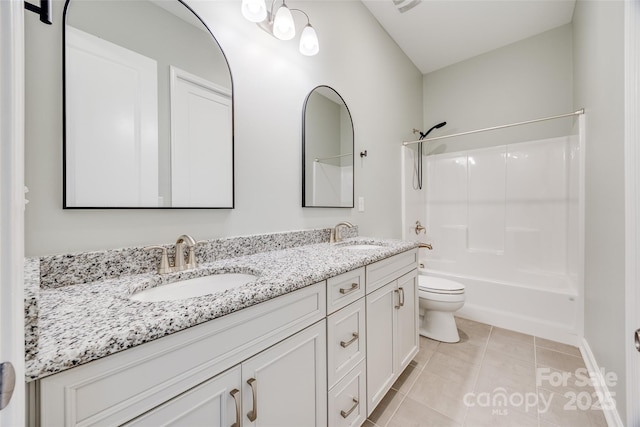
<point>281,25</point>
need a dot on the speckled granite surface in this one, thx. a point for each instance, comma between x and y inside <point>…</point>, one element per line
<point>86,267</point>
<point>31,293</point>
<point>84,322</point>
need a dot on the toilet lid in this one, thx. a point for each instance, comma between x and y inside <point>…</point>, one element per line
<point>439,285</point>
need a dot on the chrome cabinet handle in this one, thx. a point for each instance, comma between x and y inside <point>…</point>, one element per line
<point>234,393</point>
<point>346,344</point>
<point>353,408</point>
<point>253,413</point>
<point>354,286</point>
<point>637,339</point>
<point>397,292</point>
<point>401,296</point>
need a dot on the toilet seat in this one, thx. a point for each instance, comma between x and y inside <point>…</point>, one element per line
<point>438,285</point>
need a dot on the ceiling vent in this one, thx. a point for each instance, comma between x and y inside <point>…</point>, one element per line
<point>405,5</point>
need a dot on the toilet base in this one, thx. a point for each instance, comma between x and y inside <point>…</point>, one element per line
<point>439,326</point>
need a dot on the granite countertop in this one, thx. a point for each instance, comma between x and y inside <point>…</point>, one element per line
<point>83,322</point>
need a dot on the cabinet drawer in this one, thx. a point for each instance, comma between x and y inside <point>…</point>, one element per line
<point>347,400</point>
<point>383,272</point>
<point>346,340</point>
<point>344,289</point>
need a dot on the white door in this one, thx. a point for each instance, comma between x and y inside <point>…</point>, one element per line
<point>12,202</point>
<point>632,212</point>
<point>201,142</point>
<point>112,124</point>
<point>286,385</point>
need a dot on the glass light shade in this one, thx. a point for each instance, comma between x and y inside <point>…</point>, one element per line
<point>254,10</point>
<point>309,41</point>
<point>283,27</point>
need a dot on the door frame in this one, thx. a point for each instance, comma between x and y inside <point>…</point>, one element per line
<point>12,202</point>
<point>632,207</point>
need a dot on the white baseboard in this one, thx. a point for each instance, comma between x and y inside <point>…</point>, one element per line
<point>608,402</point>
<point>524,324</point>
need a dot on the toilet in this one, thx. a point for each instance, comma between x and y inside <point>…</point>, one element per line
<point>439,300</point>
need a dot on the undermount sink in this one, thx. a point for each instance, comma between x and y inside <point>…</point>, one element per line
<point>193,287</point>
<point>362,247</point>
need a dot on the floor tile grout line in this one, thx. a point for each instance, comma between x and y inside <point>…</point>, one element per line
<point>558,351</point>
<point>404,395</point>
<point>535,367</point>
<point>477,374</point>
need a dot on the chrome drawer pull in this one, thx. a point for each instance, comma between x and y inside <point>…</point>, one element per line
<point>253,414</point>
<point>353,408</point>
<point>354,286</point>
<point>351,341</point>
<point>234,393</point>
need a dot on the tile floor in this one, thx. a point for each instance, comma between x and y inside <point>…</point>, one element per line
<point>492,377</point>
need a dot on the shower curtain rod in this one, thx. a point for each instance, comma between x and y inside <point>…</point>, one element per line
<point>332,157</point>
<point>575,113</point>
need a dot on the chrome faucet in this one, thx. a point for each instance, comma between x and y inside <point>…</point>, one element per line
<point>336,235</point>
<point>179,263</point>
<point>190,242</point>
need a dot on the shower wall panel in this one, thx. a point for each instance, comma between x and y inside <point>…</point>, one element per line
<point>504,213</point>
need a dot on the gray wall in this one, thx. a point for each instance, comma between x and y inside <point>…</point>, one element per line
<point>528,79</point>
<point>271,80</point>
<point>599,88</point>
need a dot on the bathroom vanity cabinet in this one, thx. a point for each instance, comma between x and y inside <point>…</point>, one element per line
<point>279,343</point>
<point>323,355</point>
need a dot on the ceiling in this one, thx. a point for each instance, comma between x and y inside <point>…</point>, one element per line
<point>438,33</point>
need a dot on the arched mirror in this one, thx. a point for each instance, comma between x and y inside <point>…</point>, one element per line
<point>148,108</point>
<point>327,150</point>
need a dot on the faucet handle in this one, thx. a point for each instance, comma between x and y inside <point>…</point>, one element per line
<point>164,266</point>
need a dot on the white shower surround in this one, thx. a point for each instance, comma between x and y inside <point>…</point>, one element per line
<point>505,222</point>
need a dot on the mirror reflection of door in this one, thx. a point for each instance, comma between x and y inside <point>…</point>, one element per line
<point>148,92</point>
<point>200,112</point>
<point>327,150</point>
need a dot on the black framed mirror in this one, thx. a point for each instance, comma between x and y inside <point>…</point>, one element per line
<point>148,108</point>
<point>327,150</point>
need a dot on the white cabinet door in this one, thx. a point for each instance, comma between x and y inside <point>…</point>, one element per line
<point>406,329</point>
<point>380,350</point>
<point>286,385</point>
<point>215,403</point>
<point>392,334</point>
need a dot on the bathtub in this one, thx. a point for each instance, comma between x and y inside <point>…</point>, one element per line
<point>547,309</point>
